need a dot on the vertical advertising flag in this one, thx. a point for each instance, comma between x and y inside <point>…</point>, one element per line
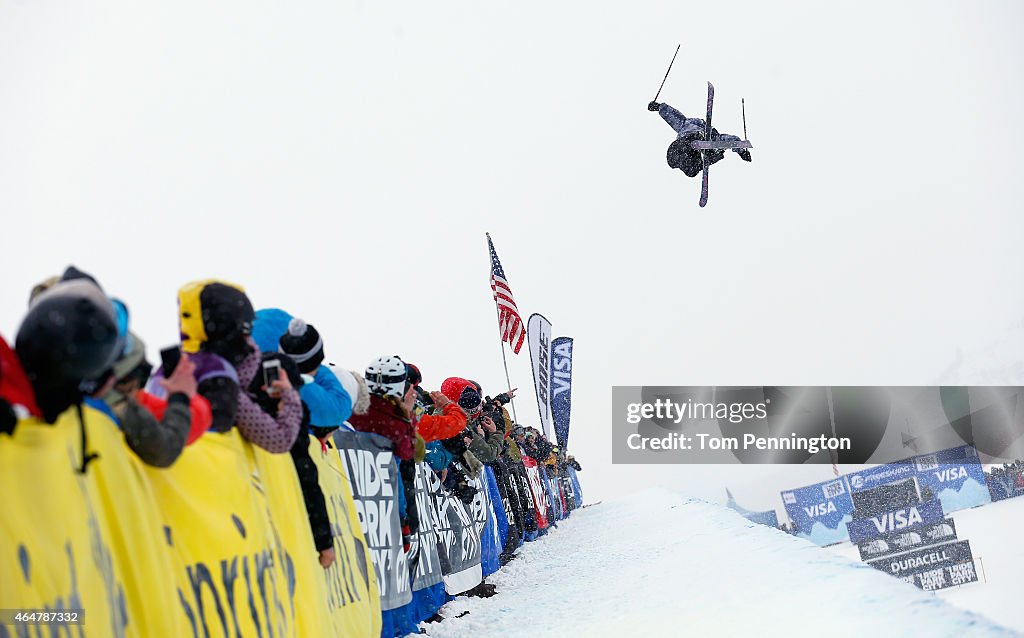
<point>538,331</point>
<point>560,384</point>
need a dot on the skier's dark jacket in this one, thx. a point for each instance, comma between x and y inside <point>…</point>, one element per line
<point>687,130</point>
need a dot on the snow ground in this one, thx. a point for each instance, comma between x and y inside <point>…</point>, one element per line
<point>659,564</point>
<point>996,533</point>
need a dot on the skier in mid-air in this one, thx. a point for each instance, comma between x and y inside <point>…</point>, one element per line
<point>681,154</point>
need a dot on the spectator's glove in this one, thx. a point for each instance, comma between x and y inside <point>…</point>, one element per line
<point>745,154</point>
<point>653,106</point>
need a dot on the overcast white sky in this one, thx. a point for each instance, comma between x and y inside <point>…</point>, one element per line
<point>343,160</point>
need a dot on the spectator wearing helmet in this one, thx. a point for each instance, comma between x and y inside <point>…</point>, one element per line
<point>389,414</point>
<point>216,321</point>
<point>68,335</point>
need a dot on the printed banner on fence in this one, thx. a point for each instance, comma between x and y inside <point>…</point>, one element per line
<point>427,567</point>
<point>561,387</point>
<point>954,476</point>
<point>483,517</point>
<point>943,577</point>
<point>458,542</point>
<point>863,529</point>
<point>577,490</point>
<point>216,544</point>
<point>537,492</point>
<point>908,539</point>
<point>820,512</point>
<point>932,561</point>
<point>538,332</point>
<point>353,597</point>
<point>373,473</point>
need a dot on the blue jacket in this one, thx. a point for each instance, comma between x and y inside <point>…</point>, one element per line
<point>329,404</point>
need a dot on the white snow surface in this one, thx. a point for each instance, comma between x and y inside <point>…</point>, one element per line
<point>997,542</point>
<point>660,564</point>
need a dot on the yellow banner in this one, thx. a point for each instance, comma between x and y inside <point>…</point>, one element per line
<point>352,594</point>
<point>216,545</point>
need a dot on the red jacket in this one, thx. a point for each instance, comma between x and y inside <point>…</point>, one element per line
<point>388,420</point>
<point>202,416</point>
<point>437,427</point>
<point>15,388</point>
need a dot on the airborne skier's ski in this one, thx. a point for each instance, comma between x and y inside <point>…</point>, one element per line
<point>704,153</point>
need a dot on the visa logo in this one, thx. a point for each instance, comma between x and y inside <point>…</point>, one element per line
<point>896,520</point>
<point>951,474</point>
<point>820,509</point>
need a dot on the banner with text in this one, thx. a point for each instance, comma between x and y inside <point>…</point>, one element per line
<point>820,512</point>
<point>538,332</point>
<point>561,387</point>
<point>373,473</point>
<point>862,529</point>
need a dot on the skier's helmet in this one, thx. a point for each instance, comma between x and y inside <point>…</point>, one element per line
<point>684,157</point>
<point>385,376</point>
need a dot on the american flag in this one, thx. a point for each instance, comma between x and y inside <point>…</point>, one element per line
<point>509,322</point>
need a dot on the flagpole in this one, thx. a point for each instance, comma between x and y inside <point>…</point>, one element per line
<point>511,401</point>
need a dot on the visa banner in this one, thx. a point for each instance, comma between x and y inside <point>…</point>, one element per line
<point>874,526</point>
<point>820,512</point>
<point>954,476</point>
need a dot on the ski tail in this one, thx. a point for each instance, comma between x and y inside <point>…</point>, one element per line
<point>704,185</point>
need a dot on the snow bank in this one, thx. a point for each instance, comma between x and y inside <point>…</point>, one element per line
<point>656,563</point>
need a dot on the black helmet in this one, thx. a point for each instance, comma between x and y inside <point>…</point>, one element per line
<point>684,157</point>
<point>69,334</point>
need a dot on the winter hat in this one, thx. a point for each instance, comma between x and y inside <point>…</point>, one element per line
<point>214,313</point>
<point>385,376</point>
<point>302,343</point>
<point>461,391</point>
<point>355,386</point>
<point>684,157</point>
<point>135,354</point>
<point>267,328</point>
<point>69,335</point>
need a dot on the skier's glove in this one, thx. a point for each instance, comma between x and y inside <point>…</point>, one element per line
<point>653,106</point>
<point>745,154</point>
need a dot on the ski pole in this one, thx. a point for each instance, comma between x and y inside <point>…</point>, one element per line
<point>743,105</point>
<point>666,72</point>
